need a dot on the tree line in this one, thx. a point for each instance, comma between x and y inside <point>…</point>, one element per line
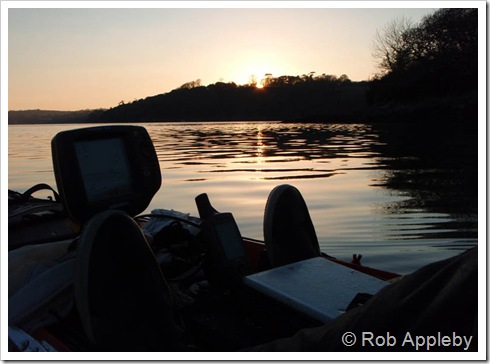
<point>281,98</point>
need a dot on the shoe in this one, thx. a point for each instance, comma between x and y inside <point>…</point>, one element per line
<point>289,233</point>
<point>123,300</point>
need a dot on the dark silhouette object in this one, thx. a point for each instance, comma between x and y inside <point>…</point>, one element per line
<point>289,233</point>
<point>124,302</point>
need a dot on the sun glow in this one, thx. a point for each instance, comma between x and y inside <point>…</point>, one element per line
<point>253,67</point>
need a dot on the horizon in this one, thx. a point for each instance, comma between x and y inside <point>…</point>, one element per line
<point>67,59</point>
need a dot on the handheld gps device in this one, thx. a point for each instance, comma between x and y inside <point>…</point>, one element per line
<point>226,259</point>
<point>105,167</point>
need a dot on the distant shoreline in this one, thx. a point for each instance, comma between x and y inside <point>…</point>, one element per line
<point>461,109</point>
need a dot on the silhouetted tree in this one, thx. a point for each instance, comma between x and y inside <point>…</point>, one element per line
<point>344,78</point>
<point>252,80</point>
<point>437,58</point>
<point>267,80</point>
<point>191,84</point>
<point>393,45</point>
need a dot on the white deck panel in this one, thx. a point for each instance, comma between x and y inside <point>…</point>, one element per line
<point>316,287</point>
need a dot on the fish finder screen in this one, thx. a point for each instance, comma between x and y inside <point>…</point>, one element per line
<point>231,240</point>
<point>104,168</point>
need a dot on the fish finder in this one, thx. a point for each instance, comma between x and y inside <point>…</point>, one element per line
<point>105,167</point>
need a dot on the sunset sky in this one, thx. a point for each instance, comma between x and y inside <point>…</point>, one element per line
<point>87,58</point>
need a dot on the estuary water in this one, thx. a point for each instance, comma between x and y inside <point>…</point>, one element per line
<point>402,196</point>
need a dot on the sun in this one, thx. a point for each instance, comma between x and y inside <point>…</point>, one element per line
<point>259,85</point>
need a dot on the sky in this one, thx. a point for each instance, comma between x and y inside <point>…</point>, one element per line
<point>88,57</point>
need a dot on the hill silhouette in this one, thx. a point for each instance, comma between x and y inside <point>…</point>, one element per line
<point>325,98</point>
<point>48,116</point>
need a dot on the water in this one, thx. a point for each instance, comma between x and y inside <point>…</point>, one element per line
<point>401,196</point>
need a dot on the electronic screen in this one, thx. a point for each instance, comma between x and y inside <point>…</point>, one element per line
<point>226,260</point>
<point>231,239</point>
<point>104,168</point>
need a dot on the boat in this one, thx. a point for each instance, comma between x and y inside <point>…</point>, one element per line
<point>227,300</point>
<point>219,319</point>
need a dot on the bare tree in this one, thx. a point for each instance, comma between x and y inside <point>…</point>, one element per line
<point>252,80</point>
<point>391,45</point>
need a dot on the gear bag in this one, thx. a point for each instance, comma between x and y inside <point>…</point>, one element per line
<point>34,220</point>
